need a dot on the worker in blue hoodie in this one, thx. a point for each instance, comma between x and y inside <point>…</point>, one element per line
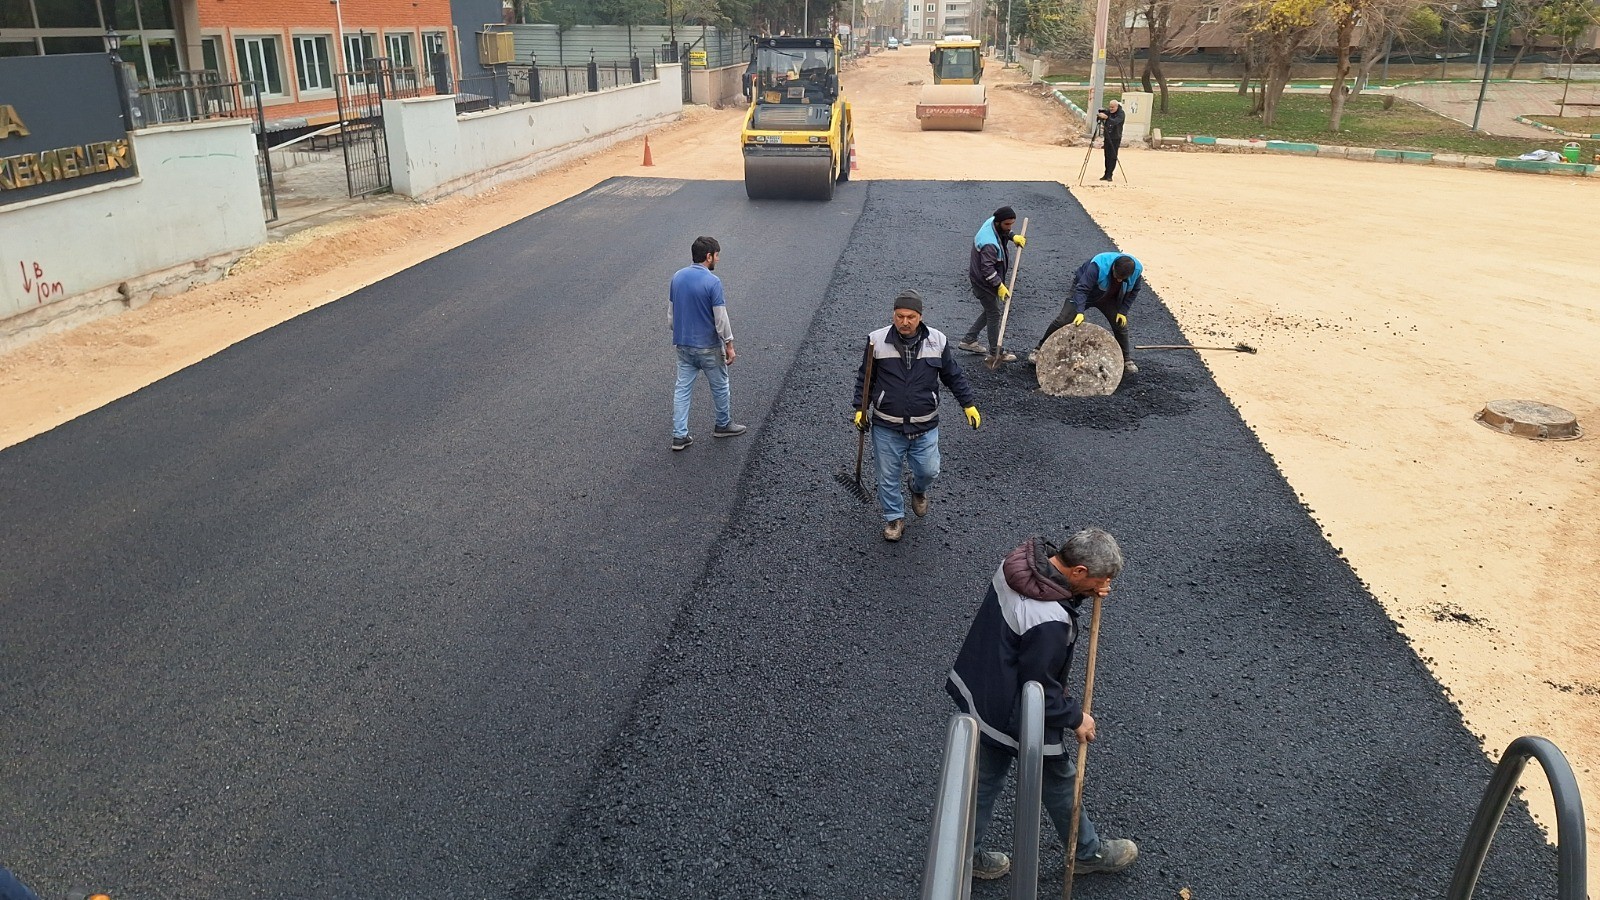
<point>987,266</point>
<point>1026,630</point>
<point>1108,282</point>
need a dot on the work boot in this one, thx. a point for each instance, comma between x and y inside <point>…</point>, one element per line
<point>729,430</point>
<point>680,443</point>
<point>919,504</point>
<point>990,864</point>
<point>1106,178</point>
<point>1033,357</point>
<point>894,530</point>
<point>1113,856</point>
<point>1008,356</point>
<point>973,347</point>
<point>1128,368</point>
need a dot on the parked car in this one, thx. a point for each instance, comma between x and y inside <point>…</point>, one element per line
<point>894,44</point>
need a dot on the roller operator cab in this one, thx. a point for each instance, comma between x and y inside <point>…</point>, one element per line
<point>797,132</point>
<point>957,60</point>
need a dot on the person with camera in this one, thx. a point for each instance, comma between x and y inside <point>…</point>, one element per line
<point>1111,119</point>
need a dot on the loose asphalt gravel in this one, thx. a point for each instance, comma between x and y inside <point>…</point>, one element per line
<point>408,597</point>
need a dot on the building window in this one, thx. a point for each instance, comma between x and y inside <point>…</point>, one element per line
<point>357,50</point>
<point>211,54</point>
<point>432,43</point>
<point>400,51</point>
<point>929,23</point>
<point>259,62</point>
<point>311,63</point>
<point>1211,16</point>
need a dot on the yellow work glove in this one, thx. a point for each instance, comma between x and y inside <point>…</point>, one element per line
<point>861,420</point>
<point>1078,319</point>
<point>973,418</point>
<point>1019,240</point>
<point>1122,321</point>
<point>1004,292</point>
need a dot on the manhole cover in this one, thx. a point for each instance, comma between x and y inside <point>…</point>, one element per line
<point>1530,419</point>
<point>1080,361</point>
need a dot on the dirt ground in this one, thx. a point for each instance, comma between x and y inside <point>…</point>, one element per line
<point>1388,302</point>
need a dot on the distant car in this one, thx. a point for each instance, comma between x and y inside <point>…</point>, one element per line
<point>894,44</point>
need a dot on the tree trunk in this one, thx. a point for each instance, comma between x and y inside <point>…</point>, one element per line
<point>1515,60</point>
<point>1277,80</point>
<point>1347,27</point>
<point>1244,80</point>
<point>1144,77</point>
<point>1161,80</point>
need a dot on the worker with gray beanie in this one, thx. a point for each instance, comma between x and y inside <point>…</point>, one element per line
<point>909,360</point>
<point>987,266</point>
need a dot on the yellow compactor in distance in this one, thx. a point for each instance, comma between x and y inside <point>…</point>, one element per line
<point>956,101</point>
<point>797,133</point>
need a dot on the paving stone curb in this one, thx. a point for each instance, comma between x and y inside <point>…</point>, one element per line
<point>1551,128</point>
<point>1376,154</point>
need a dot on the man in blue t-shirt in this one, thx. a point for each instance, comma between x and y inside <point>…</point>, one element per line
<point>703,339</point>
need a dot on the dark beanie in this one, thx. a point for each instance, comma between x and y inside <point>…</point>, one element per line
<point>909,299</point>
<point>1004,213</point>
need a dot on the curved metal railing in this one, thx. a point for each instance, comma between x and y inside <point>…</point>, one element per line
<point>1571,839</point>
<point>1030,781</point>
<point>947,875</point>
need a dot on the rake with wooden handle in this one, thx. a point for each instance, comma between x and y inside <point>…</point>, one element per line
<point>1083,754</point>
<point>854,485</point>
<point>997,356</point>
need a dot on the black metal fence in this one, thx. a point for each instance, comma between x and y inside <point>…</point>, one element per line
<point>534,83</point>
<point>360,97</point>
<point>200,96</point>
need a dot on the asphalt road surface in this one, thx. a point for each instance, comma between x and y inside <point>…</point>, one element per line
<point>408,597</point>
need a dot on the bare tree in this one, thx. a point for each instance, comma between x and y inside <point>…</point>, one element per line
<point>1284,27</point>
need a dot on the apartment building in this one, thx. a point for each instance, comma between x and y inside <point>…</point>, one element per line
<point>927,20</point>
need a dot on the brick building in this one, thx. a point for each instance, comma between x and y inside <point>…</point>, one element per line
<point>292,47</point>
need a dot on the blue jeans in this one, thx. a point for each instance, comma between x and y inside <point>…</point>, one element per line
<point>891,450</point>
<point>12,889</point>
<point>691,362</point>
<point>1055,792</point>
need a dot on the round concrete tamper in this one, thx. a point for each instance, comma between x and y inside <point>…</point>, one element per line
<point>1530,419</point>
<point>1080,361</point>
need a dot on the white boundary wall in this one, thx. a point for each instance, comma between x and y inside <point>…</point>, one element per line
<point>718,88</point>
<point>193,209</point>
<point>433,152</point>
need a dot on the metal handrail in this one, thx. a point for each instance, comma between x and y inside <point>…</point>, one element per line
<point>1030,782</point>
<point>1571,839</point>
<point>947,875</point>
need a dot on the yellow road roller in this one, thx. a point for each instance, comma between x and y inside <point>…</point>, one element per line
<point>797,132</point>
<point>956,101</point>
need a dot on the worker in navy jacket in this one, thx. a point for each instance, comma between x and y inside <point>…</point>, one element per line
<point>987,266</point>
<point>1110,283</point>
<point>909,362</point>
<point>1026,630</point>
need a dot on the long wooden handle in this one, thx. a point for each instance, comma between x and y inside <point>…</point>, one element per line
<point>866,395</point>
<point>1005,314</point>
<point>1083,753</point>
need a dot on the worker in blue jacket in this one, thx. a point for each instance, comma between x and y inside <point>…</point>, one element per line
<point>1108,282</point>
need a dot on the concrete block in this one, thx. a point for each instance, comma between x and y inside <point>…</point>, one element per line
<point>1454,160</point>
<point>1382,155</point>
<point>1415,157</point>
<point>1202,139</point>
<point>1364,153</point>
<point>1481,162</point>
<point>1332,152</point>
<point>1292,147</point>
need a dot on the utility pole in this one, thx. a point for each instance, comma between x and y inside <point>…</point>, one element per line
<point>1484,31</point>
<point>1097,74</point>
<point>1483,89</point>
<point>852,25</point>
<point>805,21</point>
<point>1005,52</point>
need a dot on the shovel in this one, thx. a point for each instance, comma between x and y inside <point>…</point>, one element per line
<point>998,355</point>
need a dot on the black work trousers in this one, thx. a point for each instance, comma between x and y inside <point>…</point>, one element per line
<point>1113,144</point>
<point>1107,308</point>
<point>990,317</point>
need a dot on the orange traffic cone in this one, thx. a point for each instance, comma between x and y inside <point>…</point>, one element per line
<point>647,160</point>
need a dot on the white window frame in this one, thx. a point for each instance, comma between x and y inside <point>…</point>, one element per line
<point>243,61</point>
<point>400,40</point>
<point>308,77</point>
<point>365,46</point>
<point>1211,16</point>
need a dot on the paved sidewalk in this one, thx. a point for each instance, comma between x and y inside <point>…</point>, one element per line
<point>1501,106</point>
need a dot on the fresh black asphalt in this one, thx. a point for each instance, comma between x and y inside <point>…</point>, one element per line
<point>408,597</point>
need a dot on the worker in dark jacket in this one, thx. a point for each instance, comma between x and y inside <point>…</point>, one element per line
<point>1024,631</point>
<point>909,360</point>
<point>1111,119</point>
<point>987,266</point>
<point>1109,282</point>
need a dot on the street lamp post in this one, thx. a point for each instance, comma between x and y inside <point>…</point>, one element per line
<point>1483,89</point>
<point>113,42</point>
<point>1483,32</point>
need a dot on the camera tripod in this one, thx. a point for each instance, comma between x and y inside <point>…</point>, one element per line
<point>1090,152</point>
